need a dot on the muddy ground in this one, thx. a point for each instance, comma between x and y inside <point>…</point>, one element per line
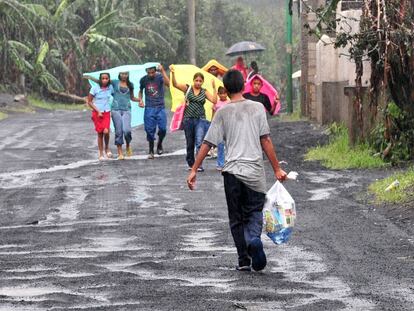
<point>78,234</point>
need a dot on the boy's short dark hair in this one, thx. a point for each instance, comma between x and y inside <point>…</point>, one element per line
<point>151,68</point>
<point>221,90</point>
<point>233,81</point>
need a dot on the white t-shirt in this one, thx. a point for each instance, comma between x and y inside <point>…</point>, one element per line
<point>240,125</point>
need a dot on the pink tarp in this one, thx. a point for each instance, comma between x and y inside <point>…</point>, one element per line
<point>177,119</point>
<point>267,89</point>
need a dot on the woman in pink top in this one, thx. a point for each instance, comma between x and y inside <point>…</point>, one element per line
<point>222,100</point>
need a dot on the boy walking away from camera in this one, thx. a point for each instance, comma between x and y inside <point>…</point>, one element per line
<point>243,126</point>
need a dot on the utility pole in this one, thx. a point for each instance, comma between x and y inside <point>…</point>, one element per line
<point>191,31</point>
<point>289,51</point>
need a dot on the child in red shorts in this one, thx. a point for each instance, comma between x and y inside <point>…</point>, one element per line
<point>99,100</point>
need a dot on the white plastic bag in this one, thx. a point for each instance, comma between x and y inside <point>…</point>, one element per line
<point>279,214</point>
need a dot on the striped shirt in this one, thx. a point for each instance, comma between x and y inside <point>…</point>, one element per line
<point>195,107</point>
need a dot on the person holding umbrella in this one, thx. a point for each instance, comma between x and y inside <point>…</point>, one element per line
<point>243,48</point>
<point>253,70</point>
<point>240,66</point>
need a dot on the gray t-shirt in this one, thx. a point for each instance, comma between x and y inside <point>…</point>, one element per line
<point>240,125</point>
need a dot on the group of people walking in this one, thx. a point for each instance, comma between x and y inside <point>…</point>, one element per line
<point>112,98</point>
<point>239,125</point>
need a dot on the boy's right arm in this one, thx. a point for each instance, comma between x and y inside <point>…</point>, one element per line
<point>201,155</point>
<point>270,152</point>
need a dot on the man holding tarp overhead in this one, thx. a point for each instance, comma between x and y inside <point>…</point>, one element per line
<point>153,86</point>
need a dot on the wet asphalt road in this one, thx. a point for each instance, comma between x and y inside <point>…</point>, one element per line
<point>76,234</point>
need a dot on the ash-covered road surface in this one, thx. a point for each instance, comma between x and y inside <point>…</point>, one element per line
<point>78,234</point>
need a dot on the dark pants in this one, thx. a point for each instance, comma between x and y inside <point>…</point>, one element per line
<point>194,130</point>
<point>245,214</point>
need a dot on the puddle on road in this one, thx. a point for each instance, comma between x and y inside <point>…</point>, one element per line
<point>68,211</point>
<point>321,194</point>
<point>23,178</point>
<point>22,292</point>
<point>96,248</point>
<point>29,269</point>
<point>322,177</point>
<point>300,266</point>
<point>141,196</point>
<point>14,246</point>
<point>47,274</point>
<point>112,244</point>
<point>338,180</point>
<point>101,222</point>
<point>219,283</point>
<point>174,206</point>
<point>15,139</point>
<point>9,307</point>
<point>58,230</point>
<point>222,284</point>
<point>202,240</point>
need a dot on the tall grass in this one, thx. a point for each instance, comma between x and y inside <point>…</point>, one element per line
<point>338,154</point>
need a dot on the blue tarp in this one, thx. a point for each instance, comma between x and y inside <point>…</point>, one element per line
<point>136,72</point>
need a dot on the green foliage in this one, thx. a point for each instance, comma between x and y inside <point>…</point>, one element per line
<point>401,194</point>
<point>394,138</point>
<point>52,42</point>
<point>3,115</point>
<point>37,102</point>
<point>339,155</point>
<point>385,38</point>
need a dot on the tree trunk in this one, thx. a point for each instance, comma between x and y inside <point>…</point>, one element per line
<point>22,82</point>
<point>74,98</point>
<point>191,31</point>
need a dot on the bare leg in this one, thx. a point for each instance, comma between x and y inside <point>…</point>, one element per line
<point>100,144</point>
<point>120,153</point>
<point>106,139</point>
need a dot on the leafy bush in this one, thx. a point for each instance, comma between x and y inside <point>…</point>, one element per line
<point>394,138</point>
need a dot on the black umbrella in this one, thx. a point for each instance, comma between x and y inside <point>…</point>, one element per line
<point>244,47</point>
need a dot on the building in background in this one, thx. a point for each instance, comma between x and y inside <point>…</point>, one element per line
<point>326,71</point>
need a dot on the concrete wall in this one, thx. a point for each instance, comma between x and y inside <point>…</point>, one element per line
<point>308,59</point>
<point>325,70</point>
<point>334,71</point>
<point>332,105</point>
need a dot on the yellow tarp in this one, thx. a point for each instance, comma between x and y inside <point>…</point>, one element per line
<point>221,69</point>
<point>184,74</point>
